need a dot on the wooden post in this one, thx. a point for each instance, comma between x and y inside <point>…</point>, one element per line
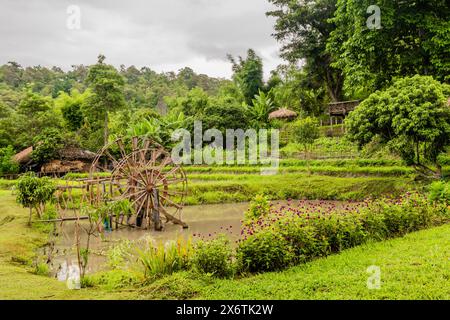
<point>343,120</point>
<point>155,210</point>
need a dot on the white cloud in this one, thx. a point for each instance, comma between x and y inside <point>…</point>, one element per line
<point>164,35</point>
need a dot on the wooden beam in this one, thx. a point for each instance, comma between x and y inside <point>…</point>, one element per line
<point>64,219</point>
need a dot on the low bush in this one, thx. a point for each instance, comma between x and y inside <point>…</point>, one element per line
<point>291,235</point>
<point>120,255</point>
<point>444,159</point>
<point>214,257</point>
<point>34,192</point>
<point>265,251</point>
<point>259,206</point>
<point>410,213</point>
<point>439,191</point>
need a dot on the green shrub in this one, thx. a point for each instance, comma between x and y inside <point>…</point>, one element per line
<point>264,251</point>
<point>303,240</point>
<point>444,159</point>
<point>34,192</point>
<point>119,254</point>
<point>413,213</point>
<point>259,206</point>
<point>290,235</point>
<point>7,164</point>
<point>50,212</point>
<point>306,131</point>
<point>374,224</point>
<point>214,257</point>
<point>338,231</point>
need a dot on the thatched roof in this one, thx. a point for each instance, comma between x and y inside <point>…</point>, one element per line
<point>63,166</point>
<point>68,153</point>
<point>73,153</point>
<point>23,156</point>
<point>283,113</point>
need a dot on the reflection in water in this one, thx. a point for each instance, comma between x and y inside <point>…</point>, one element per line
<point>70,273</point>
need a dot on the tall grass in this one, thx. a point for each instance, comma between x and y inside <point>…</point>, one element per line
<point>167,258</point>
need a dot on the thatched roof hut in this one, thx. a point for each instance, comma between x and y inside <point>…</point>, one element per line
<point>73,153</point>
<point>283,113</point>
<point>69,159</point>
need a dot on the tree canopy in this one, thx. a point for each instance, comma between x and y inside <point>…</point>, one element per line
<point>414,38</point>
<point>411,117</point>
<point>304,27</point>
<point>248,74</point>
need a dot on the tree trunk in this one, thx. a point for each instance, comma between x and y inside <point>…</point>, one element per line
<point>106,132</point>
<point>439,170</point>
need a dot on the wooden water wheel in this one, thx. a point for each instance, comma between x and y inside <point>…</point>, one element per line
<point>144,173</point>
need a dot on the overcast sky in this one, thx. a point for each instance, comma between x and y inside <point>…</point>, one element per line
<point>164,35</point>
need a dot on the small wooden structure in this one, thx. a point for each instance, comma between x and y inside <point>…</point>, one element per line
<point>283,113</point>
<point>338,111</point>
<point>342,109</point>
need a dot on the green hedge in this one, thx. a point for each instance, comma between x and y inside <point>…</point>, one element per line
<point>289,236</point>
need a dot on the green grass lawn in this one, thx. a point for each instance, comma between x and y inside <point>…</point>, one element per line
<point>416,266</point>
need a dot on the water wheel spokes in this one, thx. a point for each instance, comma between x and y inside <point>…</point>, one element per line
<point>143,172</point>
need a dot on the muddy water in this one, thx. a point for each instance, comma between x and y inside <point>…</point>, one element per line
<point>205,221</point>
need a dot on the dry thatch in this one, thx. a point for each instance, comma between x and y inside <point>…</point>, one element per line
<point>24,156</point>
<point>283,113</point>
<point>62,166</point>
<point>66,155</point>
<point>73,153</point>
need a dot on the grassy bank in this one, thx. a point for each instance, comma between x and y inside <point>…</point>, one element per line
<point>18,245</point>
<point>321,170</point>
